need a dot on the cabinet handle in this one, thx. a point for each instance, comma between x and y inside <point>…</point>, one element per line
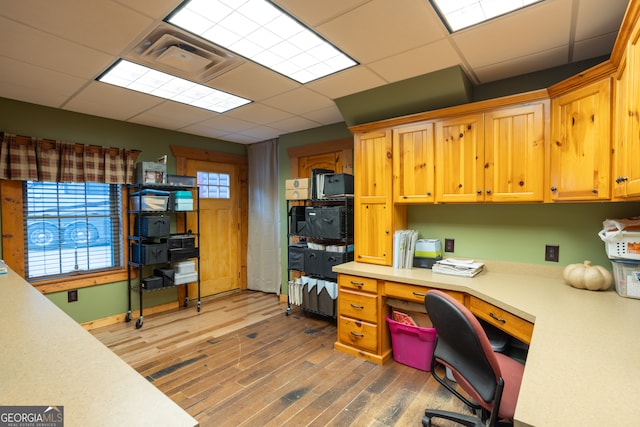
<point>594,191</point>
<point>355,334</point>
<point>488,191</point>
<point>359,307</point>
<point>554,189</point>
<point>621,179</point>
<point>479,191</point>
<point>428,193</point>
<point>419,294</point>
<point>358,284</point>
<point>493,316</point>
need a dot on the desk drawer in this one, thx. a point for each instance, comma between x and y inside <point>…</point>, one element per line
<point>414,293</point>
<point>511,324</point>
<point>358,283</point>
<point>358,306</point>
<point>358,334</point>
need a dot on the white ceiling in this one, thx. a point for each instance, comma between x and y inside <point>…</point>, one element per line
<point>52,51</point>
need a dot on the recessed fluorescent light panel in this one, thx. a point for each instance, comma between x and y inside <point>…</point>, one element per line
<point>459,14</point>
<point>143,79</point>
<point>261,32</point>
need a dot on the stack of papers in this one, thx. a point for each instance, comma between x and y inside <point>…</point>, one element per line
<point>404,245</point>
<point>458,267</point>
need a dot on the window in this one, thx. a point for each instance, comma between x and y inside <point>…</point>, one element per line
<point>214,185</point>
<point>71,228</point>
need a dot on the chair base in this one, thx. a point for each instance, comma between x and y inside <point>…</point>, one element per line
<point>465,420</point>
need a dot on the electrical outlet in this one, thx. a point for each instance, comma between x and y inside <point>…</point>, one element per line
<point>551,253</point>
<point>449,245</point>
<point>72,295</point>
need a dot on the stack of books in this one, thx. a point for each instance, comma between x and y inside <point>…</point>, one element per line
<point>458,267</point>
<point>404,246</point>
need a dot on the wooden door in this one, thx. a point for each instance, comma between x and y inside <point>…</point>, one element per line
<point>413,164</point>
<point>514,154</point>
<point>581,144</point>
<point>219,239</point>
<point>460,159</point>
<point>331,161</point>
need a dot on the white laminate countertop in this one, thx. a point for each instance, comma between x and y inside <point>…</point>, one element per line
<point>583,365</point>
<point>47,359</point>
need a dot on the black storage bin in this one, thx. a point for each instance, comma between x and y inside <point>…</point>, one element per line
<point>329,259</point>
<point>326,304</point>
<point>310,297</point>
<point>297,224</point>
<point>313,262</point>
<point>296,256</point>
<point>167,275</point>
<point>329,222</point>
<point>338,184</point>
<point>152,225</point>
<point>149,253</point>
<point>182,253</point>
<point>151,282</point>
<point>180,241</point>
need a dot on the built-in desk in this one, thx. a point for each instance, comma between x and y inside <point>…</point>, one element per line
<point>47,359</point>
<point>583,365</point>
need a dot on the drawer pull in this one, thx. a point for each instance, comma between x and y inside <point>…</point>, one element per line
<point>418,294</point>
<point>493,316</point>
<point>359,307</point>
<point>358,284</point>
<point>355,334</point>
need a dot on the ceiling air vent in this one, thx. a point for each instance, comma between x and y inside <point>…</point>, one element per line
<point>173,51</point>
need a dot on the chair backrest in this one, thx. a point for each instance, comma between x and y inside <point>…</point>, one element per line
<point>463,345</point>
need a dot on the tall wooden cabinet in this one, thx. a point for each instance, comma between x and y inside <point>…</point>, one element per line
<point>626,129</point>
<point>376,216</point>
<point>580,144</point>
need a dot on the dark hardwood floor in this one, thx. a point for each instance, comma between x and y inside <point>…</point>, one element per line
<point>242,362</point>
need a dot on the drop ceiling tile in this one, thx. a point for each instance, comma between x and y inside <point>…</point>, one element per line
<point>27,44</point>
<point>104,25</point>
<point>227,124</point>
<point>325,116</point>
<point>156,9</point>
<point>294,124</point>
<point>418,61</point>
<point>516,35</point>
<point>204,130</point>
<point>347,82</point>
<point>40,86</point>
<point>252,81</point>
<point>101,99</point>
<point>592,22</point>
<point>172,115</point>
<point>383,28</point>
<point>523,65</point>
<point>258,133</point>
<point>242,139</point>
<point>299,101</point>
<point>591,48</point>
<point>258,113</point>
<point>314,13</point>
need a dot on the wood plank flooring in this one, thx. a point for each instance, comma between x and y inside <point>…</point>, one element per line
<point>242,362</point>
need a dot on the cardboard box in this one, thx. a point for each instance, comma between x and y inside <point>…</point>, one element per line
<point>297,189</point>
<point>150,173</point>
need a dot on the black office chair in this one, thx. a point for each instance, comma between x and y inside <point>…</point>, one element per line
<point>492,380</point>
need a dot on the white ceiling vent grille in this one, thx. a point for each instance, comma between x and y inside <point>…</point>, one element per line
<point>175,52</point>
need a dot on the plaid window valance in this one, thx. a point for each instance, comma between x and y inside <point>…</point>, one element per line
<point>35,159</point>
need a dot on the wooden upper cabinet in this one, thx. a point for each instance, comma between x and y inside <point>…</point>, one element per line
<point>514,147</point>
<point>373,203</point>
<point>581,144</point>
<point>626,129</point>
<point>413,164</point>
<point>459,159</point>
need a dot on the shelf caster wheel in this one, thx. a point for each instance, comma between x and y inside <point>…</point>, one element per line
<point>186,302</point>
<point>127,318</point>
<point>287,312</point>
<point>139,323</point>
<point>198,306</point>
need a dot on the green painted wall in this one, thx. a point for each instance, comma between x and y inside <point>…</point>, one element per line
<point>519,233</point>
<point>33,120</point>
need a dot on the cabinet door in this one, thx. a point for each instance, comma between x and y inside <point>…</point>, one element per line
<point>632,152</point>
<point>580,144</point>
<point>514,154</point>
<point>373,198</point>
<point>459,159</point>
<point>620,134</point>
<point>413,164</point>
